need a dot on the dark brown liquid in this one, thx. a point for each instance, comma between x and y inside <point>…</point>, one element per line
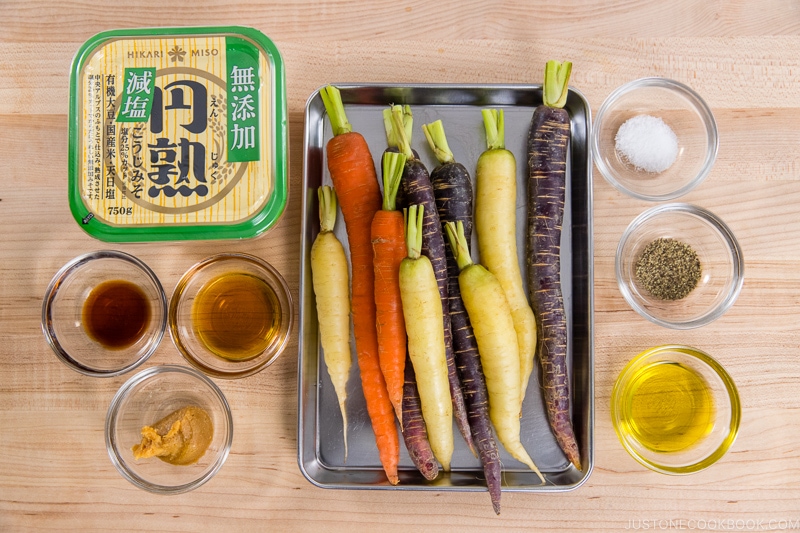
<point>236,316</point>
<point>116,314</point>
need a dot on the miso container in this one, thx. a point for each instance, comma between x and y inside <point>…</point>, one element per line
<point>177,133</point>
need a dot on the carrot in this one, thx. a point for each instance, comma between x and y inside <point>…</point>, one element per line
<point>416,188</point>
<point>490,315</point>
<point>496,226</point>
<point>415,435</point>
<point>332,289</point>
<point>452,189</point>
<point>548,140</point>
<point>353,174</point>
<point>422,309</point>
<point>388,244</point>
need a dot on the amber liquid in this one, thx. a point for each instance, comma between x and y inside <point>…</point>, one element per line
<point>236,316</point>
<point>670,407</point>
<point>116,314</point>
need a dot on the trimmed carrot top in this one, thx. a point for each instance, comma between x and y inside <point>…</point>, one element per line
<point>556,83</point>
<point>393,164</point>
<point>434,133</point>
<point>408,123</point>
<point>403,139</point>
<point>458,243</point>
<point>495,129</point>
<point>332,99</point>
<point>413,222</point>
<point>327,208</point>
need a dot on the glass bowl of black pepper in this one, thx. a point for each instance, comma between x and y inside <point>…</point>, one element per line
<point>654,139</point>
<point>679,266</point>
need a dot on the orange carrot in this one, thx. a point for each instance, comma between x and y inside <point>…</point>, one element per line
<point>353,174</point>
<point>388,243</point>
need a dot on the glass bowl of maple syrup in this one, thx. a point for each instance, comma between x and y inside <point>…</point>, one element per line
<point>104,313</point>
<point>230,315</point>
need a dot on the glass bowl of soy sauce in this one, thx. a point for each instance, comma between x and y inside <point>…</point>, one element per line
<point>675,409</point>
<point>230,315</point>
<point>104,313</point>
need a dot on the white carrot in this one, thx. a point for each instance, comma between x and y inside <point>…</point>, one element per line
<point>495,225</point>
<point>422,309</point>
<point>332,288</point>
<point>493,326</point>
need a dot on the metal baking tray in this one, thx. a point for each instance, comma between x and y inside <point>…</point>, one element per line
<point>320,445</point>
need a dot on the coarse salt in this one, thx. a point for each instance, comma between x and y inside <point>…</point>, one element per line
<point>647,143</point>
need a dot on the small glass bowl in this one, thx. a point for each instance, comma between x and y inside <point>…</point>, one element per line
<point>63,313</point>
<point>722,424</point>
<point>721,263</point>
<point>684,111</point>
<point>149,396</point>
<point>188,331</point>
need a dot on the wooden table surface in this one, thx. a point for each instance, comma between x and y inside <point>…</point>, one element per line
<point>742,56</point>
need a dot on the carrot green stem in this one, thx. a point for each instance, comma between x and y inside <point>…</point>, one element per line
<point>458,243</point>
<point>403,139</point>
<point>332,99</point>
<point>556,83</point>
<point>413,222</point>
<point>434,133</point>
<point>327,208</point>
<point>408,122</point>
<point>495,129</point>
<point>393,165</point>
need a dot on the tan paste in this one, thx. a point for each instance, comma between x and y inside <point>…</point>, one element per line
<point>180,438</point>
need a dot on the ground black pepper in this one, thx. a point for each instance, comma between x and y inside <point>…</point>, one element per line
<point>669,269</point>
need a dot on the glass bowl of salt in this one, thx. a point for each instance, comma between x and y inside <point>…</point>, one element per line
<point>654,139</point>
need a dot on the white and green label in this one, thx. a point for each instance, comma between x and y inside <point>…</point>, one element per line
<point>137,96</point>
<point>243,84</point>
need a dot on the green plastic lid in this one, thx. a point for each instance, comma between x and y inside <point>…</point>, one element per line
<point>177,134</point>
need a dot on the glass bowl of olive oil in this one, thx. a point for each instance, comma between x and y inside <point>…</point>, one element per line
<point>230,315</point>
<point>104,313</point>
<point>675,409</point>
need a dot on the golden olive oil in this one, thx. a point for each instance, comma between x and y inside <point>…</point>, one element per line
<point>668,407</point>
<point>236,315</point>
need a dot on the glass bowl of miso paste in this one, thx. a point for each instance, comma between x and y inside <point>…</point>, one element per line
<point>177,134</point>
<point>168,429</point>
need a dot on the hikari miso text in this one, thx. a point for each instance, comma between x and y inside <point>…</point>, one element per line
<point>116,314</point>
<point>236,316</point>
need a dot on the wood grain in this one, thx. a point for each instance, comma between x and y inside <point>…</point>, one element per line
<point>742,56</point>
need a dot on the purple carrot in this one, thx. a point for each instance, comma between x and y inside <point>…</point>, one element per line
<point>414,433</point>
<point>452,188</point>
<point>548,141</point>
